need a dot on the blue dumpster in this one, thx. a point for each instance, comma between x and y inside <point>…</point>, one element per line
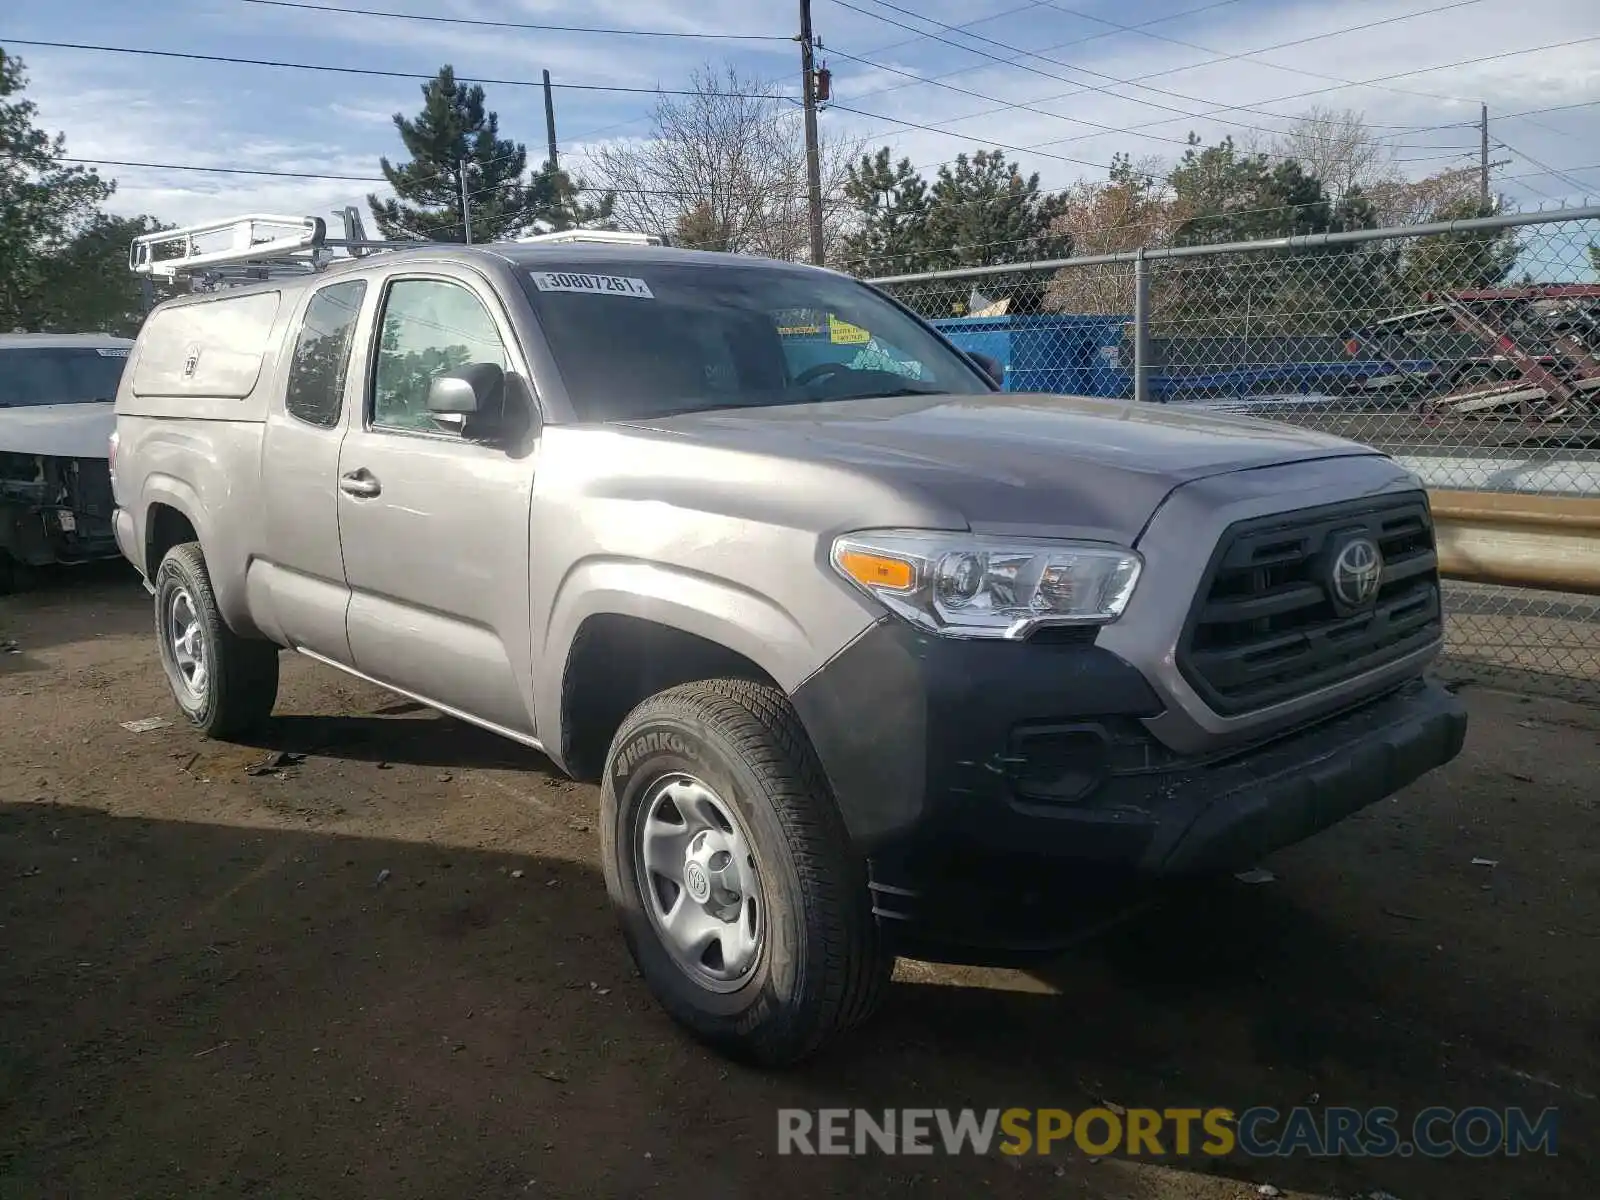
<point>1068,353</point>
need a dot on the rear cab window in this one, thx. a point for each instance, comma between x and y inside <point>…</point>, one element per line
<point>320,363</point>
<point>637,339</point>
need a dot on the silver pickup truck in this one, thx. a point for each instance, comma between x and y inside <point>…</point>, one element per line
<point>866,654</point>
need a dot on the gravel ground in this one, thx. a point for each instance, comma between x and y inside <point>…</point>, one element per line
<point>389,969</point>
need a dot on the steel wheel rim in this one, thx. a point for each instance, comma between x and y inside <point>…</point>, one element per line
<point>700,883</point>
<point>186,640</point>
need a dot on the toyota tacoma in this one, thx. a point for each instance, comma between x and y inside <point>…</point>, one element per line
<point>863,651</point>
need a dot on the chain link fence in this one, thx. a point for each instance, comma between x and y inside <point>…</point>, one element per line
<point>1469,350</point>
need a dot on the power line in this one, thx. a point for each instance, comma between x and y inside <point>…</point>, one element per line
<point>1080,87</point>
<point>1252,54</point>
<point>1039,146</point>
<point>210,170</point>
<point>1464,62</point>
<point>1146,125</point>
<point>1524,117</point>
<point>1187,12</point>
<point>1428,158</point>
<point>1114,80</point>
<point>160,166</point>
<point>1027,107</point>
<point>1528,112</point>
<point>374,71</point>
<point>1022,105</point>
<point>1563,176</point>
<point>861,112</point>
<point>948,74</point>
<point>984,20</point>
<point>399,16</point>
<point>961,28</point>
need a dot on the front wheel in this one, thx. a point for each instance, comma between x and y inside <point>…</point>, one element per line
<point>742,901</point>
<point>225,684</point>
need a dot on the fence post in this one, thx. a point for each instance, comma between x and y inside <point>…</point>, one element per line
<point>1141,328</point>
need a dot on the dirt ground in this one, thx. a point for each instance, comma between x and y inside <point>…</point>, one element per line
<point>390,970</point>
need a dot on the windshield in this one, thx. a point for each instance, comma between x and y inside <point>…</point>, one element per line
<point>31,376</point>
<point>648,340</point>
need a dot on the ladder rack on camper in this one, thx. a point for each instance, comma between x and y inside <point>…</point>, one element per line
<point>253,247</point>
<point>263,246</point>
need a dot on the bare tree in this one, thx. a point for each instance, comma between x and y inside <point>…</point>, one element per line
<point>724,168</point>
<point>1134,207</point>
<point>1414,201</point>
<point>1340,149</point>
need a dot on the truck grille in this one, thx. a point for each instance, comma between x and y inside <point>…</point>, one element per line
<point>1269,623</point>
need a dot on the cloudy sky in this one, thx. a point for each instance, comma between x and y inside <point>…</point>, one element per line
<point>1083,80</point>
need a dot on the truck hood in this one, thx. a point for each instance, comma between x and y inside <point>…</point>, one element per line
<point>58,430</point>
<point>1017,464</point>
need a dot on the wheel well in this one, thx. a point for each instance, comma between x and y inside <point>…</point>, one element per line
<point>618,661</point>
<point>164,528</point>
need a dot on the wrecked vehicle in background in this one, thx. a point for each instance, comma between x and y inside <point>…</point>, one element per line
<point>56,420</point>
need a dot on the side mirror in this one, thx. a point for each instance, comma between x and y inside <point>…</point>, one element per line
<point>469,399</point>
<point>991,367</point>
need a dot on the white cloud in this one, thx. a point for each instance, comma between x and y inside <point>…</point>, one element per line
<point>372,114</point>
<point>160,111</point>
<point>1162,110</point>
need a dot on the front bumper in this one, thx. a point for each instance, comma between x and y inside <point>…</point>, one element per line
<point>41,534</point>
<point>972,773</point>
<point>55,510</point>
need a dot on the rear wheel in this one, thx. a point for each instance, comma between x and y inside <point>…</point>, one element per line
<point>225,684</point>
<point>742,901</point>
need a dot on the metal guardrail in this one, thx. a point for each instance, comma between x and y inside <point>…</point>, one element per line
<point>1519,540</point>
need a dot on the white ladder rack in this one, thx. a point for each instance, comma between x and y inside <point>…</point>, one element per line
<point>607,237</point>
<point>251,247</point>
<point>265,246</point>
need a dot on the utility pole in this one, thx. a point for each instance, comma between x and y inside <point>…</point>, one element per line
<point>466,208</point>
<point>550,119</point>
<point>1483,160</point>
<point>808,74</point>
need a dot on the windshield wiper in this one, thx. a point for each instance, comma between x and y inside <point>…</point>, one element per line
<point>893,392</point>
<point>786,402</point>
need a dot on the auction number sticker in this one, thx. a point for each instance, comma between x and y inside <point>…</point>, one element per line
<point>603,285</point>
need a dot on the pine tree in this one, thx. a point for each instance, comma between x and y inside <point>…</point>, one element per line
<point>1449,262</point>
<point>986,211</point>
<point>891,204</point>
<point>699,229</point>
<point>454,135</point>
<point>63,262</point>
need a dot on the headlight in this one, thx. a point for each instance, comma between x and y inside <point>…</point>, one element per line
<point>967,585</point>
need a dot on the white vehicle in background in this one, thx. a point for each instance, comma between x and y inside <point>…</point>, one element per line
<point>56,421</point>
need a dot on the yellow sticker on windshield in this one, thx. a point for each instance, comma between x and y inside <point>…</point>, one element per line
<point>842,333</point>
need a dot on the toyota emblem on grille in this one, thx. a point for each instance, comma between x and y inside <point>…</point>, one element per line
<point>1356,573</point>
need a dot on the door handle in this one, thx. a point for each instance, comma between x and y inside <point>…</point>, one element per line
<point>360,483</point>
